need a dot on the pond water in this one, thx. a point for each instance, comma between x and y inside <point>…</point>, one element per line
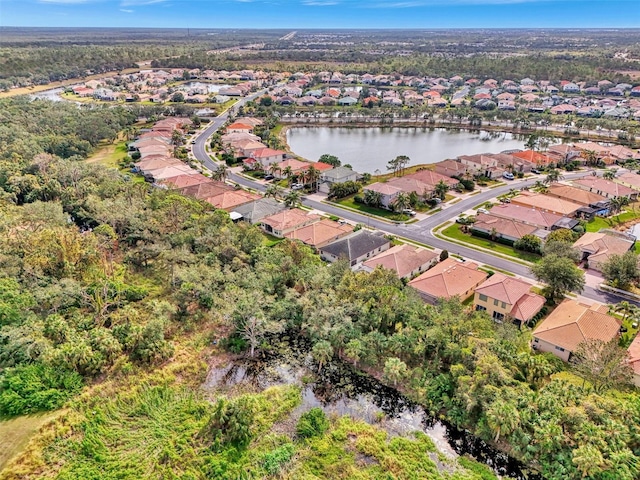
<point>369,149</point>
<point>211,87</point>
<point>53,95</point>
<point>339,389</point>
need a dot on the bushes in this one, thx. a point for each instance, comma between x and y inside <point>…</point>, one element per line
<point>274,460</point>
<point>34,388</point>
<point>312,423</point>
<point>341,190</point>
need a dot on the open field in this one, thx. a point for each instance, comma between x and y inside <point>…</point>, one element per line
<point>16,432</point>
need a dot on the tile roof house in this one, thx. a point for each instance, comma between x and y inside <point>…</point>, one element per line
<point>630,179</point>
<point>356,248</point>
<point>451,168</point>
<point>633,359</point>
<point>320,233</point>
<point>509,298</point>
<point>182,181</point>
<point>597,248</point>
<point>533,157</point>
<point>606,188</point>
<point>406,260</point>
<point>448,279</point>
<point>432,178</point>
<point>232,199</point>
<point>546,203</point>
<point>169,172</point>
<point>206,190</point>
<point>297,167</point>
<point>281,223</point>
<point>254,212</point>
<point>388,192</point>
<point>571,324</point>
<point>574,194</point>
<point>503,228</point>
<point>528,216</point>
<point>268,156</point>
<point>336,175</point>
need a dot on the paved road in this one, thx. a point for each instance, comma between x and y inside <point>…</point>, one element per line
<point>420,231</point>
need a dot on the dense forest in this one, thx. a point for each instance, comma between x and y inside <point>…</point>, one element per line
<point>112,293</point>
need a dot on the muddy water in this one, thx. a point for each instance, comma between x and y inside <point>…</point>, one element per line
<point>340,390</point>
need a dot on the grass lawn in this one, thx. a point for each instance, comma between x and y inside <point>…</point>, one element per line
<point>16,432</point>
<point>270,240</point>
<point>406,171</point>
<point>109,154</point>
<point>598,223</point>
<point>454,232</point>
<point>378,212</point>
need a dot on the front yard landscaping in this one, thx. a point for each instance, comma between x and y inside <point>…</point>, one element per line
<point>455,233</point>
<point>349,202</point>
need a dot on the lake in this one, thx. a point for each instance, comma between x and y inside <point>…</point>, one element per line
<point>369,149</point>
<point>211,87</point>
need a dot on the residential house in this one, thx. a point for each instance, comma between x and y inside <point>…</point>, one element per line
<point>573,323</point>
<point>169,172</point>
<point>183,181</point>
<point>206,190</point>
<point>546,203</point>
<point>238,127</point>
<point>320,233</point>
<point>508,298</point>
<point>388,193</point>
<point>482,165</point>
<point>268,156</point>
<point>533,157</point>
<point>629,179</point>
<point>356,248</point>
<point>232,199</point>
<point>449,278</point>
<point>633,360</point>
<point>574,194</point>
<point>405,260</point>
<point>254,212</point>
<point>488,225</point>
<point>606,188</point>
<point>297,167</point>
<point>336,175</point>
<point>432,178</point>
<point>529,216</point>
<point>281,223</point>
<point>597,247</point>
<point>452,168</point>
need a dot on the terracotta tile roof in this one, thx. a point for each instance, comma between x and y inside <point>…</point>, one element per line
<point>600,245</point>
<point>403,259</point>
<point>634,355</point>
<point>320,233</point>
<point>574,194</point>
<point>504,288</point>
<point>432,178</point>
<point>533,157</point>
<point>571,323</point>
<point>157,162</point>
<point>409,185</point>
<point>630,178</point>
<point>606,186</point>
<point>239,126</point>
<point>503,226</point>
<point>291,218</point>
<point>527,307</point>
<point>206,190</point>
<point>232,198</point>
<point>186,180</point>
<point>544,202</point>
<point>321,166</point>
<point>448,279</point>
<point>527,215</point>
<point>296,165</point>
<point>267,152</point>
<point>171,171</point>
<point>383,188</point>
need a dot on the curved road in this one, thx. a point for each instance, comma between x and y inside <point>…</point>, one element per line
<point>421,231</point>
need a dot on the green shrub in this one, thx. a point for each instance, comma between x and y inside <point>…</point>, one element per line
<point>312,423</point>
<point>275,459</point>
<point>34,388</point>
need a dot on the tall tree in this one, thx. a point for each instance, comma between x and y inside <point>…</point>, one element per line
<point>330,159</point>
<point>602,364</point>
<point>560,274</point>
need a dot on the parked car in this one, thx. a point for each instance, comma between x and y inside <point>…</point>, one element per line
<point>297,186</point>
<point>535,170</point>
<point>508,175</point>
<point>269,177</point>
<point>483,210</point>
<point>408,211</point>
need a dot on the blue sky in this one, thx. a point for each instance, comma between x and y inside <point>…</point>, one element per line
<point>321,13</point>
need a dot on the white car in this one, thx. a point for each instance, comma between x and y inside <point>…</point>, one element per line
<point>297,186</point>
<point>508,175</point>
<point>483,210</point>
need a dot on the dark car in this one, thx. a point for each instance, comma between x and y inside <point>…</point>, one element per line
<point>269,177</point>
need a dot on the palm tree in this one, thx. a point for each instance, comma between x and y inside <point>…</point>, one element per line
<point>441,189</point>
<point>292,199</point>
<point>618,203</point>
<point>540,187</point>
<point>372,198</point>
<point>322,352</point>
<point>273,191</point>
<point>609,174</point>
<point>221,172</point>
<point>312,175</point>
<point>553,176</point>
<point>354,349</point>
<point>591,157</point>
<point>288,173</point>
<point>493,234</point>
<point>401,202</point>
<point>274,168</point>
<point>626,309</point>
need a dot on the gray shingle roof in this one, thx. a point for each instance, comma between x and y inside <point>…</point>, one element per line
<point>355,245</point>
<point>255,211</point>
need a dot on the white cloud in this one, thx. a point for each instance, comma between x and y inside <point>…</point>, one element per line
<point>126,10</point>
<point>133,3</point>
